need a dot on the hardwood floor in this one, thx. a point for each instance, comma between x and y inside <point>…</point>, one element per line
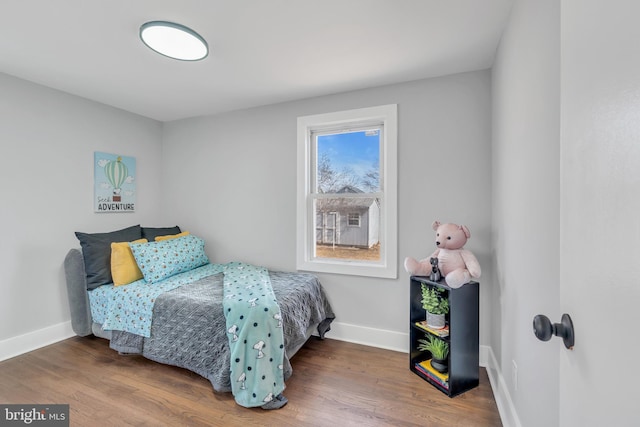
<point>334,383</point>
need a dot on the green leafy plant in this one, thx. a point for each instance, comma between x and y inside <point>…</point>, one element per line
<point>433,300</point>
<point>438,348</point>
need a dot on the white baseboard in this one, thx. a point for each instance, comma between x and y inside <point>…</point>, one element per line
<point>389,340</point>
<point>21,344</point>
<point>484,355</point>
<point>381,338</point>
<point>507,410</point>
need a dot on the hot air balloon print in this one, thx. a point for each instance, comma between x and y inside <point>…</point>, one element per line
<point>116,172</point>
<point>114,183</point>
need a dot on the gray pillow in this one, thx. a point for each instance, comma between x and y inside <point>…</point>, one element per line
<point>151,233</point>
<point>96,251</point>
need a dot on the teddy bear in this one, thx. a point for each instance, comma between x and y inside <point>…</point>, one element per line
<point>457,265</point>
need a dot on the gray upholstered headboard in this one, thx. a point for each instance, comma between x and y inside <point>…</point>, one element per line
<point>77,293</point>
<point>81,320</point>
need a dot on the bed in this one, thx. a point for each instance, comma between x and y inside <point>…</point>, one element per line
<point>187,327</point>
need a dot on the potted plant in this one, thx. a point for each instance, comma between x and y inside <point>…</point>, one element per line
<point>439,350</point>
<point>436,304</point>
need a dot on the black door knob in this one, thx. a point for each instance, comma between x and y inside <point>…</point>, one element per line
<point>544,329</point>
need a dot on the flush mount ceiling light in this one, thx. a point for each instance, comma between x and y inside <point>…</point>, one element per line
<point>174,40</point>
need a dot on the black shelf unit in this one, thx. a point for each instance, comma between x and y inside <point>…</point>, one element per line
<point>463,322</point>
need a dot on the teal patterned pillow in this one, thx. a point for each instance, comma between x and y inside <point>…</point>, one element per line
<point>160,260</point>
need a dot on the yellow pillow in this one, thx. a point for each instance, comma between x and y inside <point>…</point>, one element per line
<point>124,268</point>
<point>171,236</point>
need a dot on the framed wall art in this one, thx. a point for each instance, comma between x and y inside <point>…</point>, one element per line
<point>114,183</point>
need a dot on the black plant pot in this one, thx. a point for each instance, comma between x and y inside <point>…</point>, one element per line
<point>440,365</point>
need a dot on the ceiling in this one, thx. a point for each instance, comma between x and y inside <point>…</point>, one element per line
<point>261,51</point>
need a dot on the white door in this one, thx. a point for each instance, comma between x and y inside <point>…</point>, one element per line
<point>600,211</point>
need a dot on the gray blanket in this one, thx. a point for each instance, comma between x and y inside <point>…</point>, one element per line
<point>188,328</point>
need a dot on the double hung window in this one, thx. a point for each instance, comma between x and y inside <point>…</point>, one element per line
<point>347,192</point>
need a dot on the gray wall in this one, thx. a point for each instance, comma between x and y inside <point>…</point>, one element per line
<point>231,178</point>
<point>212,174</point>
<point>526,206</point>
<point>47,141</point>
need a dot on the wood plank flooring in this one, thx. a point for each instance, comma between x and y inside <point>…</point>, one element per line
<point>334,383</point>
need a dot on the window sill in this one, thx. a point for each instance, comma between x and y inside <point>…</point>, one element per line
<point>352,268</point>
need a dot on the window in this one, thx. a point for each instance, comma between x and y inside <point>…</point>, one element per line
<point>347,192</point>
<point>353,219</point>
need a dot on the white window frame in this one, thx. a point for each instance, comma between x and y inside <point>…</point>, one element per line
<point>387,267</point>
<point>355,215</point>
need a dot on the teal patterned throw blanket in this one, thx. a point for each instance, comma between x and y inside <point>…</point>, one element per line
<point>256,339</point>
